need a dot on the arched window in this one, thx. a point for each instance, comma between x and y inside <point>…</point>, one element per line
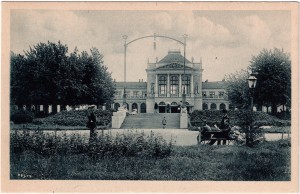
<point>213,106</point>
<point>143,108</point>
<point>174,81</point>
<point>162,85</point>
<point>186,83</point>
<point>174,104</point>
<point>162,104</point>
<point>222,106</point>
<point>134,106</point>
<point>204,106</point>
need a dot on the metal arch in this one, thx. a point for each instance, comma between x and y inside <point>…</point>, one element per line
<point>153,36</point>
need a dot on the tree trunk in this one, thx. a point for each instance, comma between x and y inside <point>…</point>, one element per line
<point>54,108</point>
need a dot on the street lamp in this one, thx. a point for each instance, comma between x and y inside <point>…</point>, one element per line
<point>125,47</point>
<point>185,79</point>
<point>252,83</point>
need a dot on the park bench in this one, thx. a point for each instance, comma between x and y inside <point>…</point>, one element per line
<point>215,136</point>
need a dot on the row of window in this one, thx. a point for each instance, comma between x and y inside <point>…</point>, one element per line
<point>213,106</point>
<point>174,85</point>
<point>133,106</point>
<point>212,94</point>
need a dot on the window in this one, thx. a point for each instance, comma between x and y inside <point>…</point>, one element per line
<point>162,84</point>
<point>174,85</point>
<point>204,93</point>
<point>211,94</point>
<point>221,94</point>
<point>144,94</point>
<point>204,106</point>
<point>186,83</point>
<point>213,106</point>
<point>135,93</point>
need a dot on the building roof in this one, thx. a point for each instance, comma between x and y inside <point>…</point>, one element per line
<point>138,85</point>
<point>173,56</point>
<point>213,85</point>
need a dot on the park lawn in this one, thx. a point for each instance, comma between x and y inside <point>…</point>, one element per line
<point>269,161</point>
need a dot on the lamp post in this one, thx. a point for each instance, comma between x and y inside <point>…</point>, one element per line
<point>185,79</point>
<point>126,44</point>
<point>251,83</point>
<point>125,47</point>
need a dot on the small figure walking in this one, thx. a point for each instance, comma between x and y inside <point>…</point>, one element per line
<point>164,122</point>
<point>91,124</point>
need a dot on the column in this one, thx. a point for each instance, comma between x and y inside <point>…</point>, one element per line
<point>180,92</point>
<point>130,107</point>
<point>139,107</point>
<point>156,85</point>
<point>208,105</point>
<point>218,106</point>
<point>168,86</point>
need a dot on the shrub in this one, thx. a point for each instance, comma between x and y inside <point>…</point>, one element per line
<point>76,118</point>
<point>237,117</point>
<point>22,116</point>
<point>129,144</point>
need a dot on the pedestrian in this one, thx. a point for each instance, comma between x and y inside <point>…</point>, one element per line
<point>92,126</point>
<point>164,122</point>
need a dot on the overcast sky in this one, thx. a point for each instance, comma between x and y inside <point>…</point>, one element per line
<point>224,40</point>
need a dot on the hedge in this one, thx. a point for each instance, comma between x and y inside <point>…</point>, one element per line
<point>76,118</point>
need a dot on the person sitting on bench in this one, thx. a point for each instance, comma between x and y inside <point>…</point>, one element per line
<point>203,130</point>
<point>225,128</point>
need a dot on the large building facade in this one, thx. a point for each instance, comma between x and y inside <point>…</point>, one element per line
<point>167,79</point>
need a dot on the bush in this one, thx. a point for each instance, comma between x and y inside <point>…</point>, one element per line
<point>236,117</point>
<point>21,116</point>
<point>129,144</point>
<point>76,118</point>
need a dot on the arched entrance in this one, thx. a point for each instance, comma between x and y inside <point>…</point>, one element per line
<point>143,108</point>
<point>134,106</point>
<point>204,106</point>
<point>162,107</point>
<point>222,106</point>
<point>213,106</point>
<point>174,107</point>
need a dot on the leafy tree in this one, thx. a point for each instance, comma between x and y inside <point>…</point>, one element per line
<point>273,70</point>
<point>46,74</point>
<point>237,89</point>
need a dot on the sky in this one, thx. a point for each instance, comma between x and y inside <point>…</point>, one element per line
<point>225,41</point>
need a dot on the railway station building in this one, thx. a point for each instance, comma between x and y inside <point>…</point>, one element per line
<point>166,80</point>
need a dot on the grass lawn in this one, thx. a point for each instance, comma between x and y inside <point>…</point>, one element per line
<point>269,161</point>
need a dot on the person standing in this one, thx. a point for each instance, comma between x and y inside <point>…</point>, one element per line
<point>164,122</point>
<point>92,126</point>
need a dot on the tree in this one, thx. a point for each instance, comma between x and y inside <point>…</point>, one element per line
<point>237,89</point>
<point>46,74</point>
<point>273,70</point>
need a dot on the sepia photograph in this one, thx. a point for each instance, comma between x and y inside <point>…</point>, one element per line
<point>133,94</point>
